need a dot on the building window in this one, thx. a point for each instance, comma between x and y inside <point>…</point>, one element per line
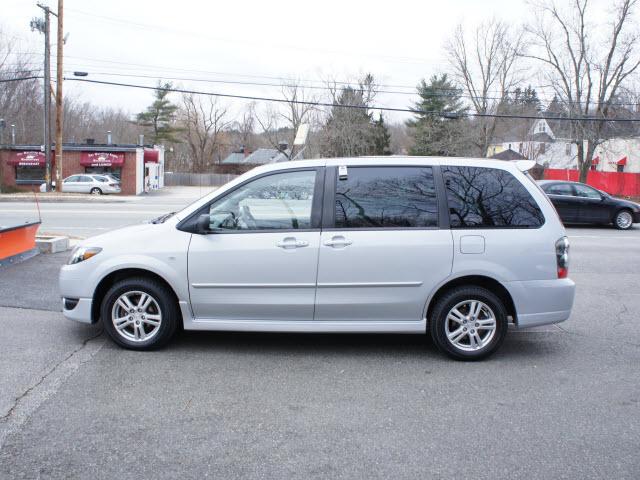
<point>520,148</point>
<point>620,168</point>
<point>113,171</point>
<point>543,147</point>
<point>30,175</point>
<point>567,149</point>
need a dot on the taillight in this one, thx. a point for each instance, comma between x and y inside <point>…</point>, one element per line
<point>562,257</point>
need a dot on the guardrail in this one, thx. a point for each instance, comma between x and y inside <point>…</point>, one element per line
<point>175,179</point>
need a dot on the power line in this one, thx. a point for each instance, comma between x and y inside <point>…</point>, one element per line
<point>542,100</point>
<point>360,107</point>
<point>5,80</point>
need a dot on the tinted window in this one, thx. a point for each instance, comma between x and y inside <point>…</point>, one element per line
<point>587,192</point>
<point>84,178</point>
<point>279,201</point>
<point>489,198</point>
<point>101,179</point>
<point>559,189</point>
<point>73,178</point>
<point>386,197</point>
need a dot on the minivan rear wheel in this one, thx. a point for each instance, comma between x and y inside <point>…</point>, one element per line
<point>139,314</point>
<point>468,323</point>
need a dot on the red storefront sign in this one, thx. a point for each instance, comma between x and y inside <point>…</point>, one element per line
<point>101,159</point>
<point>151,155</point>
<point>27,159</point>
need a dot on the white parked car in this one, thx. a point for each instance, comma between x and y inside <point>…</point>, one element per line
<point>88,183</point>
<point>457,248</point>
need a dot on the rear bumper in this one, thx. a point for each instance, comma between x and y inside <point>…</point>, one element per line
<point>541,302</point>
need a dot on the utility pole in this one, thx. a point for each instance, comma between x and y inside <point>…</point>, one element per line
<point>43,27</point>
<point>59,112</point>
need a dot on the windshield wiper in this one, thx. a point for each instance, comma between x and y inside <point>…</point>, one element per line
<point>162,218</point>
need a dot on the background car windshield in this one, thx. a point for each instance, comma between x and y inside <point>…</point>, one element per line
<point>387,197</point>
<point>279,201</point>
<point>489,198</point>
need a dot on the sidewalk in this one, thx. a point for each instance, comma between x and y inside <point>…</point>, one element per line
<point>176,193</point>
<point>63,197</point>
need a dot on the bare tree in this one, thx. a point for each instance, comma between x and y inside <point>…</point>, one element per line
<point>203,121</point>
<point>586,72</point>
<point>20,101</point>
<point>280,124</point>
<point>486,68</point>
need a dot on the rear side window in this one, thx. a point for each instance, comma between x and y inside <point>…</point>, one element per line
<point>386,197</point>
<point>559,189</point>
<point>481,197</point>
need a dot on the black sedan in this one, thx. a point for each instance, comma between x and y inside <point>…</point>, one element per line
<point>580,203</point>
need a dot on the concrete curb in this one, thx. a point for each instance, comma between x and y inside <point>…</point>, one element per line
<point>52,244</point>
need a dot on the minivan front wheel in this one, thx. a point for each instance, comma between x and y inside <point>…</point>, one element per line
<point>468,323</point>
<point>139,314</point>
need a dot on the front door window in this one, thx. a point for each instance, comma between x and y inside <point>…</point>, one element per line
<point>275,202</point>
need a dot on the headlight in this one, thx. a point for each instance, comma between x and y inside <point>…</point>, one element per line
<point>80,254</point>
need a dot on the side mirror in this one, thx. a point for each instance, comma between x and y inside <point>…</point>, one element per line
<point>203,224</point>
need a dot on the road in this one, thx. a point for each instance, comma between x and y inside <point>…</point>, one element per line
<point>555,402</point>
<point>94,217</point>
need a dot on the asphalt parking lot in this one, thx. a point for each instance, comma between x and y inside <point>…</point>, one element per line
<point>555,402</point>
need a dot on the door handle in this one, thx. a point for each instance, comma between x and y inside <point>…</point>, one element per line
<point>291,242</point>
<point>338,242</point>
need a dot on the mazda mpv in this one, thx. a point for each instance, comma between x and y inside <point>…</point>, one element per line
<point>451,247</point>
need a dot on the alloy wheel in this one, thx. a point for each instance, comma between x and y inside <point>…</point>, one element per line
<point>470,325</point>
<point>136,316</point>
<point>624,220</point>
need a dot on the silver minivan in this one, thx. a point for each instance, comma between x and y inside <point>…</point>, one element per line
<point>456,248</point>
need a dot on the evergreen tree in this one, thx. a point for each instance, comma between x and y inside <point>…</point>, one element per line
<point>437,126</point>
<point>381,138</point>
<point>160,115</point>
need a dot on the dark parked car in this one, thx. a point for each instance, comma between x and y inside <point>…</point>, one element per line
<point>580,203</point>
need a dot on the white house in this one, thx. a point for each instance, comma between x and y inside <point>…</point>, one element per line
<point>549,144</point>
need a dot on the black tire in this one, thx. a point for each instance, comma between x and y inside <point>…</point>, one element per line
<point>619,225</point>
<point>452,298</point>
<point>165,300</point>
<point>95,191</point>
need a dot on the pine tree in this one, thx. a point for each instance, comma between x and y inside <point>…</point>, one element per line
<point>437,127</point>
<point>160,115</point>
<point>381,138</point>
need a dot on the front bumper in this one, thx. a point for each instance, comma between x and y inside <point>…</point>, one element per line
<point>81,312</point>
<point>541,302</point>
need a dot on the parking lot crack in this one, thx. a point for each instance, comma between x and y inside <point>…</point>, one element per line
<point>47,385</point>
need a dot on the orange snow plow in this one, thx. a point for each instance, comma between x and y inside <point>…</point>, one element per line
<point>17,240</point>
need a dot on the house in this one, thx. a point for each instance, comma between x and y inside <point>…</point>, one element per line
<point>549,143</point>
<point>261,156</point>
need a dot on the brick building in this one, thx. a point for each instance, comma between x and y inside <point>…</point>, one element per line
<point>139,168</point>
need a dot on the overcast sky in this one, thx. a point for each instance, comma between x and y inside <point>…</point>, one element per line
<point>400,42</point>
